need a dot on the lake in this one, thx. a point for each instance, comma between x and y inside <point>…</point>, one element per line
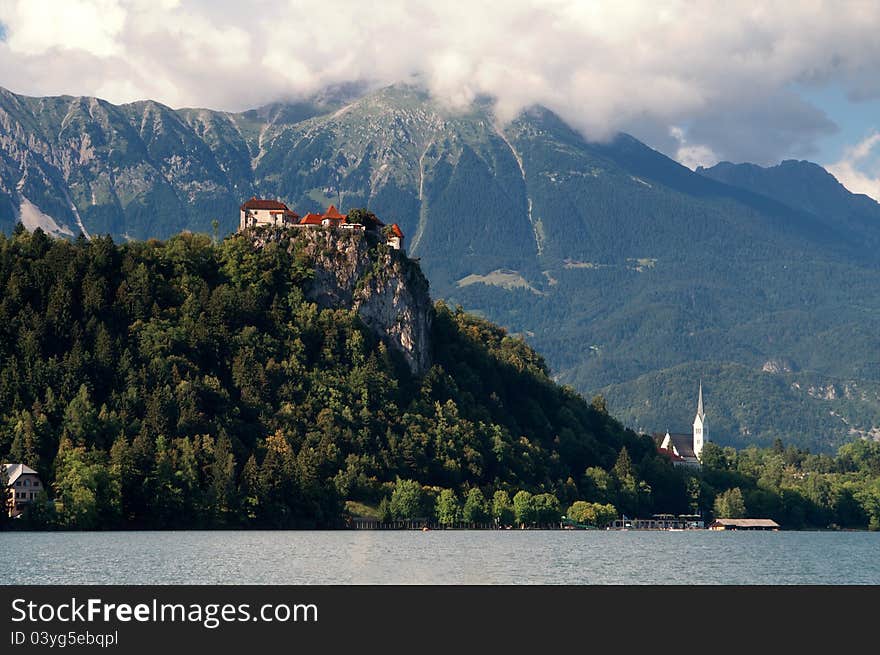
<point>441,557</point>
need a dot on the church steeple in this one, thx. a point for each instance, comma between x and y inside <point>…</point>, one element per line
<point>699,424</point>
<point>700,412</point>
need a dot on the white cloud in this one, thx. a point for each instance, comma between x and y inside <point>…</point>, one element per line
<point>602,65</point>
<point>36,26</point>
<point>691,155</point>
<point>859,168</point>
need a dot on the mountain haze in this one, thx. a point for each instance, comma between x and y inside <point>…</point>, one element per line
<point>633,275</point>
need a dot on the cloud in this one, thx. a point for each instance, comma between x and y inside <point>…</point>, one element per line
<point>92,26</point>
<point>859,168</point>
<point>691,155</point>
<point>723,70</point>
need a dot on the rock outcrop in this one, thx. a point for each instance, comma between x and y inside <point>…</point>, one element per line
<point>354,269</point>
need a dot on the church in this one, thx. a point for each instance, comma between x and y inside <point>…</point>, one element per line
<point>685,449</point>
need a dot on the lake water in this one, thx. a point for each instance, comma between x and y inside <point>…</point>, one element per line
<point>441,557</point>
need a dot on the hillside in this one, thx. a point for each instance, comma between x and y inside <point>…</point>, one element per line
<point>612,260</point>
<point>257,383</point>
<point>181,383</point>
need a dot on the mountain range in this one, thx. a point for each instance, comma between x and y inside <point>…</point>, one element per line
<point>634,276</point>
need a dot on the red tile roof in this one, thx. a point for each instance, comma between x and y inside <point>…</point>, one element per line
<point>258,203</point>
<point>671,455</point>
<point>311,219</point>
<point>333,213</point>
<point>397,231</point>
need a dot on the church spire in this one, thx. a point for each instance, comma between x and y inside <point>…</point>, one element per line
<point>700,402</point>
<point>699,425</point>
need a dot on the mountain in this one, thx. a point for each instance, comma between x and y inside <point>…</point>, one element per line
<point>627,271</point>
<point>808,187</point>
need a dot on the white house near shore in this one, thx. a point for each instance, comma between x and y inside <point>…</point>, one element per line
<point>23,485</point>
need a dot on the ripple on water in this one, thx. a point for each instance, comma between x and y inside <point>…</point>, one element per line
<point>441,557</point>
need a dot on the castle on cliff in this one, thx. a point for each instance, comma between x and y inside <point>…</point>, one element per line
<point>258,212</point>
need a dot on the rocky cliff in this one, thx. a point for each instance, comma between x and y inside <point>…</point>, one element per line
<point>356,270</point>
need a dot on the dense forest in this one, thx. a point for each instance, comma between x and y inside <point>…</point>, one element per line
<point>192,384</point>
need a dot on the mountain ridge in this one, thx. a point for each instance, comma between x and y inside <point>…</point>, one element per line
<point>611,258</point>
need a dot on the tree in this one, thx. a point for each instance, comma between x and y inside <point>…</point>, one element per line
<point>730,504</point>
<point>168,497</point>
<point>597,485</point>
<point>80,418</point>
<point>40,513</point>
<point>623,468</point>
<point>448,508</point>
<point>249,492</point>
<point>85,489</point>
<point>277,485</point>
<point>524,509</point>
<point>362,216</point>
<point>407,500</point>
<point>599,404</point>
<point>476,509</point>
<point>124,472</point>
<point>713,457</point>
<point>5,497</point>
<point>502,508</point>
<point>223,479</point>
<point>384,510</point>
<point>547,510</point>
<point>592,513</point>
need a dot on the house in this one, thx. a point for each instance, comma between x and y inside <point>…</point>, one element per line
<point>744,524</point>
<point>332,218</point>
<point>394,237</point>
<point>685,449</point>
<point>23,484</point>
<point>257,212</point>
<point>311,219</point>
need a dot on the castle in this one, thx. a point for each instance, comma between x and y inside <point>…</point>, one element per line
<point>685,449</point>
<point>258,212</point>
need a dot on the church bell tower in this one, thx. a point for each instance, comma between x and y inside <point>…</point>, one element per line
<point>699,425</point>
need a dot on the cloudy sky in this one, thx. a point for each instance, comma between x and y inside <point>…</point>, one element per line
<point>699,80</point>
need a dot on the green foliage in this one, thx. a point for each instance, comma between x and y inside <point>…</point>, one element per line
<point>448,508</point>
<point>5,498</point>
<point>730,504</point>
<point>407,500</point>
<point>476,508</point>
<point>594,514</point>
<point>190,384</point>
<point>384,511</point>
<point>525,509</point>
<point>363,216</point>
<point>502,508</point>
<point>547,509</point>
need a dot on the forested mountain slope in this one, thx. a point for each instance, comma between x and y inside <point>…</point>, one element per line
<point>613,261</point>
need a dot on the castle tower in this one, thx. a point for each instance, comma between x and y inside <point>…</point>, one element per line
<point>699,425</point>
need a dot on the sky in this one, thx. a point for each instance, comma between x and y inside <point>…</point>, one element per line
<point>701,81</point>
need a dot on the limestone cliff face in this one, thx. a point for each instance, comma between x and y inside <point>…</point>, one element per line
<point>388,291</point>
